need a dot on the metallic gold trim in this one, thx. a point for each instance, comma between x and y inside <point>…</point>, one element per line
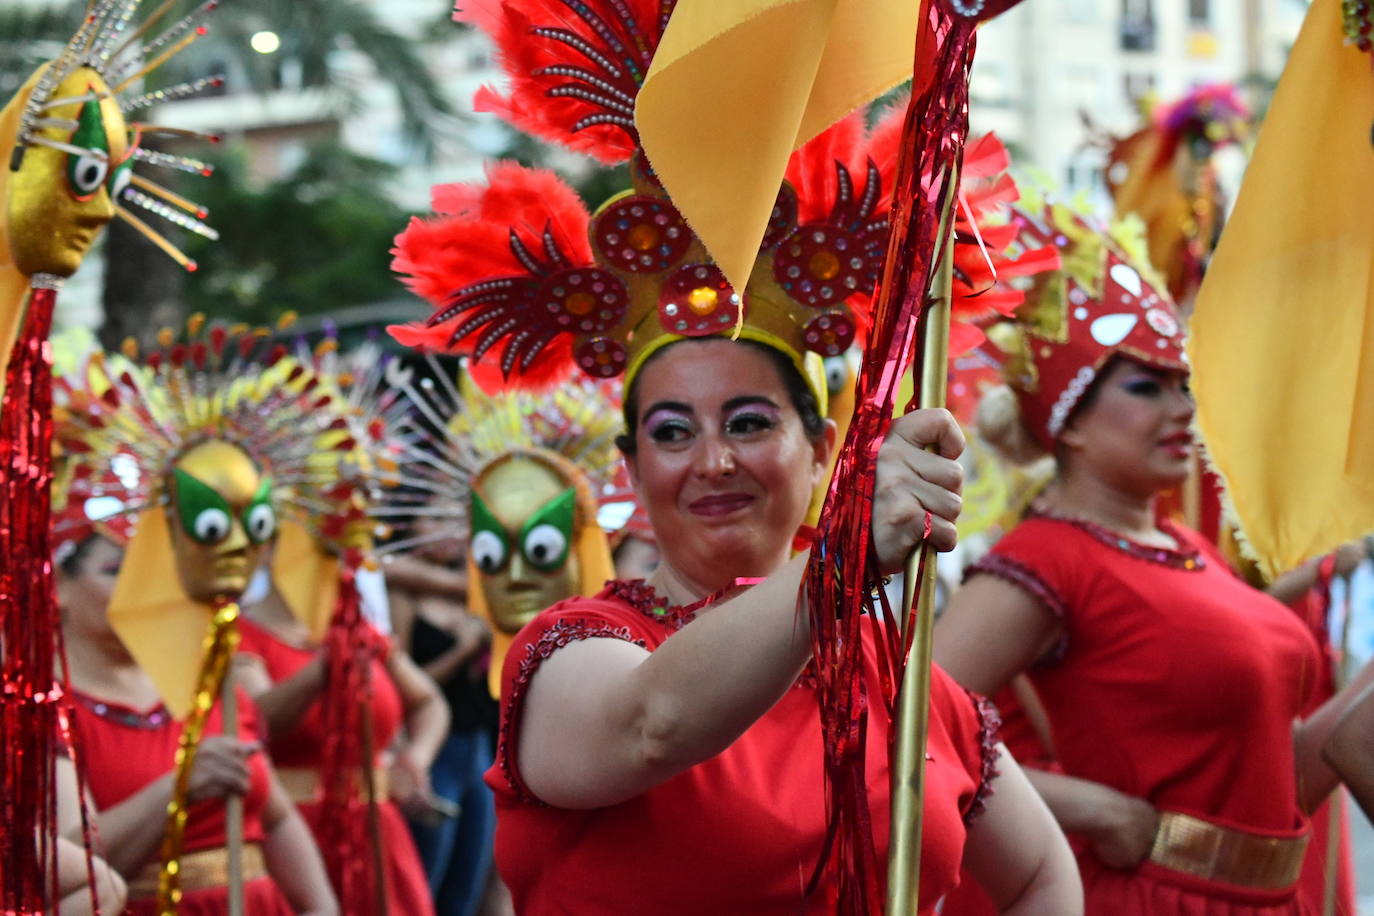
<point>1205,850</point>
<point>200,870</point>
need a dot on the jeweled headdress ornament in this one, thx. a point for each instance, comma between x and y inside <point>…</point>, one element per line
<point>1103,301</point>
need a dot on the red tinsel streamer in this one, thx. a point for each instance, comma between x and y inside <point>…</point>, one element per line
<point>28,621</point>
<point>349,833</point>
<point>842,574</point>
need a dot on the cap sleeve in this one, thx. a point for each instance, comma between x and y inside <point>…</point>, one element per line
<point>570,621</point>
<point>973,725</point>
<point>1040,559</point>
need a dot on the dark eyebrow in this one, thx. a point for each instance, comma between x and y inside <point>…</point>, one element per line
<point>748,399</point>
<point>676,406</point>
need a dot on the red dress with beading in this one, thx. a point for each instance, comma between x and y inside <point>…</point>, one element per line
<point>407,890</point>
<point>1174,682</point>
<point>124,749</point>
<point>739,833</point>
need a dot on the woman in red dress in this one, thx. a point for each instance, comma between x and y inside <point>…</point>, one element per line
<point>1171,685</point>
<point>278,664</point>
<point>126,740</point>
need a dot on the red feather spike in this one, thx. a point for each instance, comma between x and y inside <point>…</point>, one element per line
<point>470,243</point>
<point>811,170</point>
<point>573,70</point>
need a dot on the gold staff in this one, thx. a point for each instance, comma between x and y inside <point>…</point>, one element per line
<point>913,709</point>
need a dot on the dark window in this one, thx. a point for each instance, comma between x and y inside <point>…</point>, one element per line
<point>1137,25</point>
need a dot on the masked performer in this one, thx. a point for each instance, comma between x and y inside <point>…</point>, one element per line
<point>196,448</point>
<point>518,479</point>
<point>68,143</point>
<point>637,725</point>
<point>1170,685</point>
<point>303,656</point>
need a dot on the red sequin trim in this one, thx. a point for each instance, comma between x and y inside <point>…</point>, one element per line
<point>641,596</point>
<point>989,725</point>
<point>1187,558</point>
<point>559,634</point>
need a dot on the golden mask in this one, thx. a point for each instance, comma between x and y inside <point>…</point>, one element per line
<point>58,201</point>
<point>221,518</point>
<point>525,526</point>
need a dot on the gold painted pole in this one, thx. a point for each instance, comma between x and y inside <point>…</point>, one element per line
<point>233,805</point>
<point>913,705</point>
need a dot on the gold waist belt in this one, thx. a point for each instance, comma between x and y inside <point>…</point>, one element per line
<point>1205,850</point>
<point>200,870</point>
<point>305,786</point>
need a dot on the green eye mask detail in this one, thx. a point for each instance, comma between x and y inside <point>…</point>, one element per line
<point>489,545</point>
<point>87,173</point>
<point>547,534</point>
<point>260,518</point>
<point>204,514</point>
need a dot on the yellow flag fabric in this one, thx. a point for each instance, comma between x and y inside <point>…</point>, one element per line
<point>163,629</point>
<point>1283,333</point>
<point>735,87</point>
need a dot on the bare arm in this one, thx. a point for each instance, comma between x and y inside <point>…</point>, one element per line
<point>1350,750</point>
<point>1019,855</point>
<point>292,857</point>
<point>1120,827</point>
<point>282,704</point>
<point>73,886</point>
<point>427,716</point>
<point>131,831</point>
<point>1316,779</point>
<point>991,632</point>
<point>411,574</point>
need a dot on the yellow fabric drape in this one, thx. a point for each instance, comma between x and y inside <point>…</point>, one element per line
<point>1283,332</point>
<point>735,87</point>
<point>163,628</point>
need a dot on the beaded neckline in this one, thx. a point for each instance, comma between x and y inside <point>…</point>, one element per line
<point>149,720</point>
<point>1187,558</point>
<point>643,597</point>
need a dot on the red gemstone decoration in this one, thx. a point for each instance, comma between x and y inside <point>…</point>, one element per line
<point>782,220</point>
<point>696,301</point>
<point>641,235</point>
<point>584,300</point>
<point>820,265</point>
<point>600,357</point>
<point>829,333</point>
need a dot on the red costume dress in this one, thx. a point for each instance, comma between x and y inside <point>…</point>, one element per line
<point>407,891</point>
<point>739,833</point>
<point>1175,682</point>
<point>126,749</point>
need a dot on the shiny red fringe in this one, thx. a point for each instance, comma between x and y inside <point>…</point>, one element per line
<point>843,574</point>
<point>29,708</point>
<point>349,837</point>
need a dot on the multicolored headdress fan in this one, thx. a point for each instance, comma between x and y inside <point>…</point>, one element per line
<point>1103,301</point>
<point>456,447</point>
<point>1164,174</point>
<point>191,450</point>
<point>527,281</point>
<point>66,159</point>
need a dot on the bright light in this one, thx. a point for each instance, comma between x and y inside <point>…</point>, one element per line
<point>265,42</point>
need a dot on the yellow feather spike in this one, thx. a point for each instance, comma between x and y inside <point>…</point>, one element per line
<point>194,324</point>
<point>165,337</point>
<point>130,348</point>
<point>286,320</point>
<point>238,329</point>
<point>328,345</point>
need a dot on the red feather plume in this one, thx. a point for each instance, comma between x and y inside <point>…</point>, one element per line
<point>479,260</point>
<point>574,68</point>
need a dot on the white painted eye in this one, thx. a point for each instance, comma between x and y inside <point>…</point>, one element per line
<point>88,173</point>
<point>210,526</point>
<point>262,523</point>
<point>545,546</point>
<point>836,373</point>
<point>122,177</point>
<point>488,551</point>
<point>1110,330</point>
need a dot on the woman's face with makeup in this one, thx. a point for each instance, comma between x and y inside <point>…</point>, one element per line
<point>722,462</point>
<point>1135,434</point>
